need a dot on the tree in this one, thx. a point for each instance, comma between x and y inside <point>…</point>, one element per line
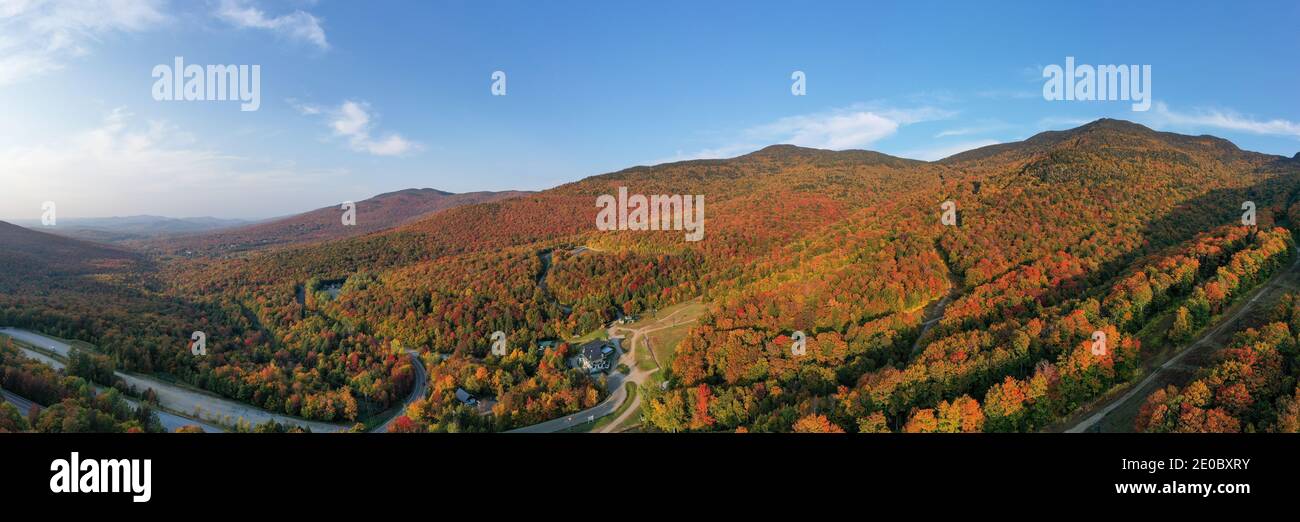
<point>922,421</point>
<point>1181,330</point>
<point>10,420</point>
<point>816,423</point>
<point>403,424</point>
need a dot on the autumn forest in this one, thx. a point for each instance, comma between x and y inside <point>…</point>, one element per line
<point>1075,266</point>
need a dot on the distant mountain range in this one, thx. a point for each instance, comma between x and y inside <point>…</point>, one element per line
<point>28,254</point>
<point>381,212</point>
<point>119,229</point>
<point>214,236</point>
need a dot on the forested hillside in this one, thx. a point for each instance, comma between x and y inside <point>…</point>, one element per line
<point>1110,227</point>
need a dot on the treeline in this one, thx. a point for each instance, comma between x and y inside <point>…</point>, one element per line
<point>1252,387</point>
<point>1043,256</point>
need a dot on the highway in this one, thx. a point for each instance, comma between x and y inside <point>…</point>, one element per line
<point>172,397</point>
<point>169,421</point>
<point>22,404</point>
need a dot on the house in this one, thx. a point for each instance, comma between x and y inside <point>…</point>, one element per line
<point>546,345</point>
<point>465,398</point>
<point>596,356</point>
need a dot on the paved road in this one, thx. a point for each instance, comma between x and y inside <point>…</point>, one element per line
<point>420,388</point>
<point>1174,362</point>
<point>638,376</point>
<point>614,383</point>
<point>22,404</point>
<point>176,398</point>
<point>606,407</point>
<point>169,421</point>
<point>38,340</point>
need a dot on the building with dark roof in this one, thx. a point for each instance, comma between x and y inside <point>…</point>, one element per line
<point>596,356</point>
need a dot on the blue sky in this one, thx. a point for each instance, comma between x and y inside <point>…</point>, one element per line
<point>359,98</point>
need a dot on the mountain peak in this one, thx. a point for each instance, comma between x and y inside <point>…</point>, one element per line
<point>1102,131</point>
<point>782,148</point>
<point>415,192</point>
<point>1111,124</point>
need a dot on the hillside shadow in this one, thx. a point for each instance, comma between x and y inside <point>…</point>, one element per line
<point>1194,217</point>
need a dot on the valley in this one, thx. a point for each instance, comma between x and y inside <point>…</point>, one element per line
<point>913,323</point>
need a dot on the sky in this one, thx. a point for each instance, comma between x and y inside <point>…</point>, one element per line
<point>361,98</point>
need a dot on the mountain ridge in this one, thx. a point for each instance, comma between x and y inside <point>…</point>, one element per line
<point>380,212</point>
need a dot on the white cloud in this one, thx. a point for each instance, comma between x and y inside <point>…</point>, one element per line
<point>353,121</point>
<point>726,151</point>
<point>298,25</point>
<point>306,109</point>
<point>982,128</point>
<point>123,167</point>
<point>942,151</point>
<point>853,127</point>
<point>41,36</point>
<point>957,132</point>
<point>844,130</point>
<point>1227,120</point>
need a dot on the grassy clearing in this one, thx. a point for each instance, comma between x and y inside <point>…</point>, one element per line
<point>664,343</point>
<point>599,333</point>
<point>679,311</point>
<point>644,361</point>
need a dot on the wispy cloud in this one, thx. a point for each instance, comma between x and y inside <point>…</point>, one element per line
<point>1223,119</point>
<point>943,151</point>
<point>354,121</point>
<point>853,127</point>
<point>979,128</point>
<point>126,166</point>
<point>41,36</point>
<point>298,25</point>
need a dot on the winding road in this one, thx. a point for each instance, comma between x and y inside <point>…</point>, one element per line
<point>615,383</point>
<point>420,388</point>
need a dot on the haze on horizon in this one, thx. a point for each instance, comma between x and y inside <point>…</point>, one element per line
<point>347,113</point>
